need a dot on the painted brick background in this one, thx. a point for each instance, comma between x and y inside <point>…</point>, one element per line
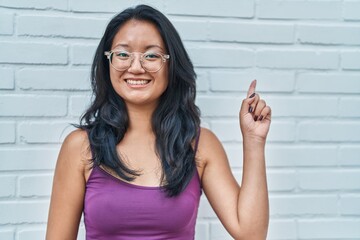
<point>304,54</point>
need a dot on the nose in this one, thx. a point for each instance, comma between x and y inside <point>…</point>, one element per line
<point>135,66</point>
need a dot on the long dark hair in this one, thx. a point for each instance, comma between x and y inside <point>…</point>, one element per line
<point>175,121</point>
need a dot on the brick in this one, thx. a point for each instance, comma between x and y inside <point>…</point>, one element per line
<point>238,175</point>
<point>281,229</point>
<point>240,81</point>
<point>305,106</point>
<point>318,131</point>
<point>221,57</point>
<point>35,4</point>
<point>251,32</point>
<point>349,155</point>
<point>230,131</point>
<point>329,34</point>
<point>301,156</point>
<point>349,107</point>
<point>219,106</point>
<point>204,123</point>
<point>349,205</point>
<point>35,185</point>
<point>32,132</point>
<point>350,60</point>
<point>15,159</point>
<point>234,154</point>
<point>53,79</point>
<point>7,78</point>
<point>112,6</point>
<point>281,180</point>
<point>328,83</point>
<point>205,209</point>
<point>32,233</point>
<point>79,104</point>
<point>32,105</point>
<point>283,106</point>
<point>24,212</point>
<point>202,83</point>
<point>7,130</point>
<point>297,59</point>
<point>6,233</point>
<point>6,24</point>
<point>191,29</point>
<point>61,26</point>
<point>81,232</point>
<point>329,229</point>
<point>33,53</point>
<point>281,131</point>
<point>315,10</point>
<point>7,186</point>
<point>218,231</point>
<point>226,131</point>
<point>300,205</point>
<point>243,9</point>
<point>201,230</point>
<point>83,54</point>
<point>326,180</point>
<point>351,10</point>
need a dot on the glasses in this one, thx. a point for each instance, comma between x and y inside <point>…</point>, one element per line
<point>122,60</point>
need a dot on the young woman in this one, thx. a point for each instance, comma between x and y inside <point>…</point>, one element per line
<point>139,161</point>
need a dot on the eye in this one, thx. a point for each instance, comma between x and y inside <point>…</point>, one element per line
<point>122,54</point>
<point>151,56</point>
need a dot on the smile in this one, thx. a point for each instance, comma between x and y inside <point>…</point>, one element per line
<point>137,82</point>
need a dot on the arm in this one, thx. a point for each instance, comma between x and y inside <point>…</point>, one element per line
<point>244,211</point>
<point>68,189</point>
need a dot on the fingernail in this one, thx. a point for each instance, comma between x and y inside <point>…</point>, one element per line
<point>255,118</point>
<point>260,118</point>
<point>252,95</point>
<point>250,109</point>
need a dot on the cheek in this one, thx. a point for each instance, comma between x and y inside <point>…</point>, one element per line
<point>115,76</point>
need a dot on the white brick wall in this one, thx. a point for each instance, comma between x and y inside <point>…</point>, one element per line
<point>304,54</point>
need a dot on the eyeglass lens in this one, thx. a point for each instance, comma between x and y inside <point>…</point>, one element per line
<point>121,61</point>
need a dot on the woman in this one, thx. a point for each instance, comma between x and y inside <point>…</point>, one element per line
<point>139,161</point>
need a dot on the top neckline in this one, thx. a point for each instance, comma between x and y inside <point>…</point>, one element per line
<point>126,183</point>
<point>131,184</point>
<point>142,186</point>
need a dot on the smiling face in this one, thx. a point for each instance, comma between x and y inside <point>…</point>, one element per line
<point>135,85</point>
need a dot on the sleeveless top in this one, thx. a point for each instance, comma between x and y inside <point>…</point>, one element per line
<point>118,210</point>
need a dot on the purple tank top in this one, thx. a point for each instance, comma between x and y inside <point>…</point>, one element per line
<point>117,210</point>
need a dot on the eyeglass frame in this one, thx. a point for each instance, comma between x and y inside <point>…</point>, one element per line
<point>164,57</point>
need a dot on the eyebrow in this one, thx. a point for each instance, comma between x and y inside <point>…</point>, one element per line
<point>147,47</point>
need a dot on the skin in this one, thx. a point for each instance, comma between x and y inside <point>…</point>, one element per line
<point>244,211</point>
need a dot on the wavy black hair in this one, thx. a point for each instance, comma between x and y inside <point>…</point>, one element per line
<point>175,121</point>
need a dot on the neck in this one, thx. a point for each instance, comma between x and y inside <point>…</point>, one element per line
<point>140,118</point>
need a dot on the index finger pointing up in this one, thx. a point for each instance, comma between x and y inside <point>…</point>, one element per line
<point>252,88</point>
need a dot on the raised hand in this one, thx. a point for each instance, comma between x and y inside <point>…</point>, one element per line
<point>254,116</point>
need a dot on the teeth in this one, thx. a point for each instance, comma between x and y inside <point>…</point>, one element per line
<point>137,82</point>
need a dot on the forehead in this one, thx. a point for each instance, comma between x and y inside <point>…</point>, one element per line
<point>137,35</point>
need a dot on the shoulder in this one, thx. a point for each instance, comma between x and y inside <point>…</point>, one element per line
<point>77,137</point>
<point>75,149</point>
<point>207,136</point>
<point>76,141</point>
<point>209,145</point>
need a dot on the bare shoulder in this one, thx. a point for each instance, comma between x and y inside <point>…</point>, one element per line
<point>75,149</point>
<point>209,145</point>
<point>207,137</point>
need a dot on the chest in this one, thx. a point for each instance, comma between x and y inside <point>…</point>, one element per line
<point>113,205</point>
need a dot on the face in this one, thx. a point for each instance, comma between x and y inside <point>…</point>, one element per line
<point>135,85</point>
